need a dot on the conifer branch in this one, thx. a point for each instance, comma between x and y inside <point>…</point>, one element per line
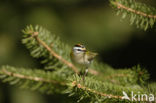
<point>4,71</point>
<point>120,6</point>
<point>102,91</point>
<point>34,79</point>
<point>38,79</point>
<point>75,69</point>
<point>45,83</point>
<point>35,35</point>
<point>78,85</point>
<point>142,15</point>
<point>40,36</point>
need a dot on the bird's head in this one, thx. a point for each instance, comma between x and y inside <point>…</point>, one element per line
<point>79,48</point>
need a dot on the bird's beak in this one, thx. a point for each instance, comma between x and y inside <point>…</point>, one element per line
<point>84,49</point>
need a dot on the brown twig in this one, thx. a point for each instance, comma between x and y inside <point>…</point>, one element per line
<point>30,77</point>
<point>119,6</point>
<point>78,85</point>
<point>35,35</point>
<point>74,83</point>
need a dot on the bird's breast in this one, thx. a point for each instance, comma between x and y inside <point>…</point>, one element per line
<point>80,59</point>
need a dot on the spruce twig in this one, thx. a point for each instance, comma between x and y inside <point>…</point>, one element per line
<point>140,14</point>
<point>78,85</point>
<point>35,35</point>
<point>6,73</point>
<point>121,6</point>
<point>21,76</point>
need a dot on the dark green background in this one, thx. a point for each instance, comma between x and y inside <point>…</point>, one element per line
<point>91,22</point>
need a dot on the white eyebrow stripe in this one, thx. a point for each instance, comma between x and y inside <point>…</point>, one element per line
<point>77,48</point>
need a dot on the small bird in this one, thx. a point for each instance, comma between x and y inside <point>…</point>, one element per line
<point>82,58</point>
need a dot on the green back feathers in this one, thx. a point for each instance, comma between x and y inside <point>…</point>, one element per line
<point>91,55</point>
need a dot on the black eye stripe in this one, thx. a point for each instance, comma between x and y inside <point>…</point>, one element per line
<point>79,49</point>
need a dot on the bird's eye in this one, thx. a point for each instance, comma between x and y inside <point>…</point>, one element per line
<point>79,50</point>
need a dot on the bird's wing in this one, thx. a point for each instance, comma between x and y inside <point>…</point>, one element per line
<point>91,55</point>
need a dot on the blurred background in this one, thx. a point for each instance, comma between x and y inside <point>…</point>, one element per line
<point>90,22</point>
